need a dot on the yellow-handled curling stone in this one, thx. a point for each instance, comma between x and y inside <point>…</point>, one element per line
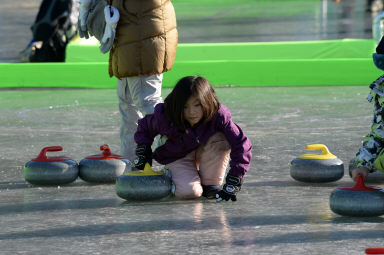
<point>44,170</point>
<point>103,168</point>
<point>374,177</point>
<point>143,185</point>
<point>357,201</point>
<point>317,168</point>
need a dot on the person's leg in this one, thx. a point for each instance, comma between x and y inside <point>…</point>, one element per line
<point>379,161</point>
<point>129,116</point>
<point>146,91</point>
<point>213,158</point>
<point>146,94</point>
<point>185,177</point>
<point>137,95</point>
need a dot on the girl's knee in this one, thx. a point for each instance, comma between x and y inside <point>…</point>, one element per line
<point>189,192</point>
<point>217,143</point>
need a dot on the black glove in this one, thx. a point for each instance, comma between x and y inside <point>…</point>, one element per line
<point>230,188</point>
<point>144,155</point>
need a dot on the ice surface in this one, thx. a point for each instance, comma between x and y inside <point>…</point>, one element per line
<point>273,215</point>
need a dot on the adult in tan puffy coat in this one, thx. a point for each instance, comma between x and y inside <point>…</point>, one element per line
<point>144,48</point>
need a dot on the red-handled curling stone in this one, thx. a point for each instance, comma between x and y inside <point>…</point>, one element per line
<point>44,170</point>
<point>374,177</point>
<point>358,201</point>
<point>374,250</point>
<point>143,185</point>
<point>103,168</point>
<point>317,168</point>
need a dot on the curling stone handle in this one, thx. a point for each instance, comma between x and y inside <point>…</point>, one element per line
<point>325,154</point>
<point>374,250</point>
<point>43,153</point>
<point>106,150</point>
<point>322,147</point>
<point>360,185</point>
<point>148,169</point>
<point>360,182</point>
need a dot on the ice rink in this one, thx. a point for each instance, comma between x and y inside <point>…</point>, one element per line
<point>274,214</point>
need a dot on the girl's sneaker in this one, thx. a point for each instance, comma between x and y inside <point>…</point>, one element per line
<point>210,191</point>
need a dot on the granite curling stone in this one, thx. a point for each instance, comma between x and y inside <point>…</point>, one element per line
<point>317,168</point>
<point>44,170</point>
<point>357,201</point>
<point>374,177</point>
<point>103,168</point>
<point>143,185</point>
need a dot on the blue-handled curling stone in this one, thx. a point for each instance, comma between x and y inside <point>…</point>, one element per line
<point>374,177</point>
<point>143,185</point>
<point>317,168</point>
<point>44,170</point>
<point>357,201</point>
<point>103,168</point>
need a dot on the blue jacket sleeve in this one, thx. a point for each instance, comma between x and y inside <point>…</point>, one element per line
<point>373,142</point>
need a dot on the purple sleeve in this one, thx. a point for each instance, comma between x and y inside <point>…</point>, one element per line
<point>146,130</point>
<point>241,147</point>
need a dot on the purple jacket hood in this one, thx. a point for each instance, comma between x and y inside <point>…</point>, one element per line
<point>181,141</point>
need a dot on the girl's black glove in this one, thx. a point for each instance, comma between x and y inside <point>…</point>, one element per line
<point>230,188</point>
<point>144,155</point>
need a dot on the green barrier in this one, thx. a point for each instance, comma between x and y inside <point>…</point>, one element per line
<point>84,51</point>
<point>313,63</point>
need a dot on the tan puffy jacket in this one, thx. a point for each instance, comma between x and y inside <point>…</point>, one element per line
<point>146,38</point>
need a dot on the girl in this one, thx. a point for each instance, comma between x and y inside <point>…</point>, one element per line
<point>199,139</point>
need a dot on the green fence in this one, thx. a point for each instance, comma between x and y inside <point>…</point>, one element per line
<point>306,63</point>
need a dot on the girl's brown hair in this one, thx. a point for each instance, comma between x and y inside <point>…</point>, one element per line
<point>185,88</point>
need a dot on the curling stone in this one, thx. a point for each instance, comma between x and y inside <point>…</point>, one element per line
<point>45,170</point>
<point>358,201</point>
<point>374,177</point>
<point>324,167</point>
<point>103,168</point>
<point>143,185</point>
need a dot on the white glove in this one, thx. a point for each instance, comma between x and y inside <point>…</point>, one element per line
<point>83,16</point>
<point>110,28</point>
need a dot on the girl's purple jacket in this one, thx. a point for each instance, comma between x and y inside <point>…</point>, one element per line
<point>181,141</point>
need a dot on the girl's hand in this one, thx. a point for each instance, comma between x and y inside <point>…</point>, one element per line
<point>144,155</point>
<point>230,189</point>
<point>361,170</point>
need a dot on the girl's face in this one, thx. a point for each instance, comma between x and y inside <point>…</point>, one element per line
<point>193,111</point>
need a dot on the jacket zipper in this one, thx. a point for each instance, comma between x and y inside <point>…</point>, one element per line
<point>197,137</point>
